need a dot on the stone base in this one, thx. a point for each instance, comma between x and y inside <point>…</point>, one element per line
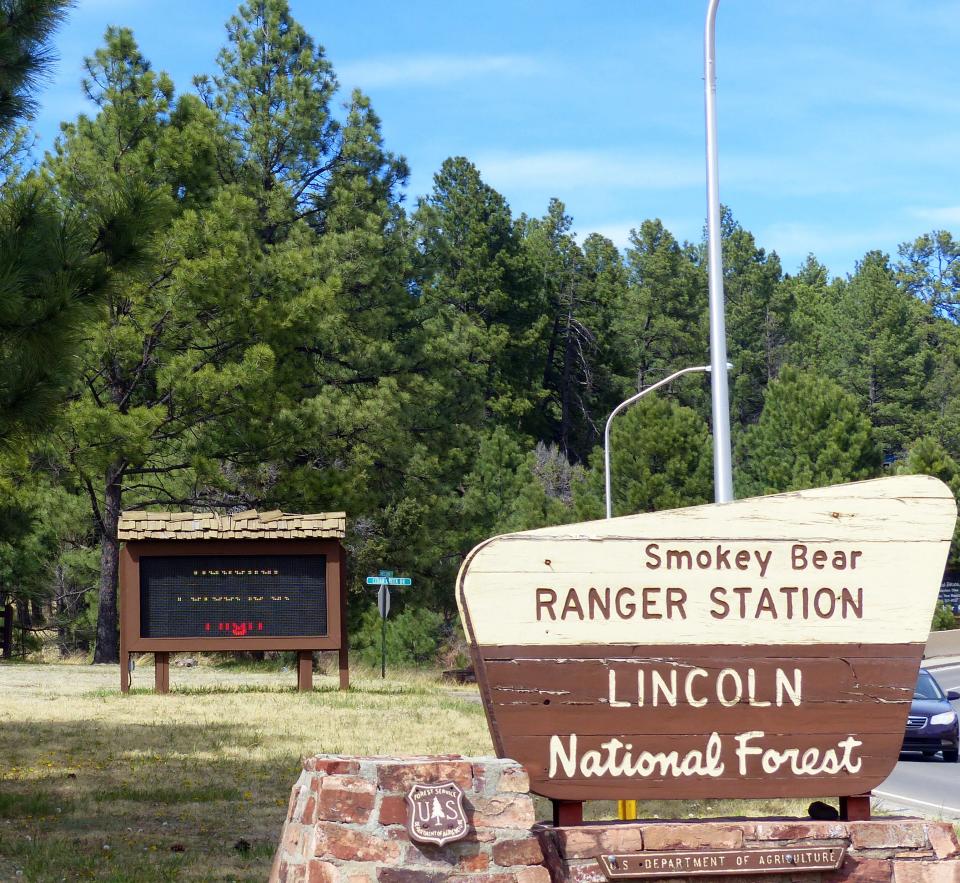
<point>347,822</point>
<point>895,850</point>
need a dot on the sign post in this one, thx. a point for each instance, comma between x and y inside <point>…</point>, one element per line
<point>384,580</point>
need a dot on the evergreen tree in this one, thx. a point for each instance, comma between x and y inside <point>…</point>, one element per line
<point>882,354</point>
<point>661,458</point>
<point>663,321</point>
<point>756,317</point>
<point>926,456</point>
<point>929,269</point>
<point>810,434</point>
<point>581,290</point>
<point>52,274</point>
<point>481,314</point>
<point>170,364</point>
<point>273,94</point>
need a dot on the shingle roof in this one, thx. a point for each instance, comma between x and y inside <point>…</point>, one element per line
<point>249,525</point>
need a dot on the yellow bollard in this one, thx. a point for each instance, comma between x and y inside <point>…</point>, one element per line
<point>627,809</point>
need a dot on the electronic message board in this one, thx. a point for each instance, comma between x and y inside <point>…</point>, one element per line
<point>250,593</point>
<point>233,596</point>
<point>765,647</point>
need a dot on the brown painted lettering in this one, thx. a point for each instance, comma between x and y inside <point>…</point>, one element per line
<point>650,601</point>
<point>546,598</point>
<point>595,603</point>
<point>847,602</point>
<point>676,598</point>
<point>679,559</point>
<point>625,610</point>
<point>742,591</point>
<point>798,556</point>
<point>765,605</point>
<point>824,594</point>
<point>572,605</point>
<point>716,595</point>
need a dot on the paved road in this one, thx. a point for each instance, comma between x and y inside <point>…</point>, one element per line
<point>928,787</point>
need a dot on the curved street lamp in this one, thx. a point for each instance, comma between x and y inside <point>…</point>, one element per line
<point>626,404</point>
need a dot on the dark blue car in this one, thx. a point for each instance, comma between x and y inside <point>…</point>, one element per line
<point>932,722</point>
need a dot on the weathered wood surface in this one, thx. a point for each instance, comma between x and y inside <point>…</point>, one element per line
<point>793,624</point>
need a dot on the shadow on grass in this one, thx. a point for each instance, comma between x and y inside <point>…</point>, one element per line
<point>139,802</point>
<point>329,690</point>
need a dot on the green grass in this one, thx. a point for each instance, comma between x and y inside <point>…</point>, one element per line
<point>15,805</point>
<point>141,788</point>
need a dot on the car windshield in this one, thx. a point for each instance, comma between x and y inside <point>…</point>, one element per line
<point>927,687</point>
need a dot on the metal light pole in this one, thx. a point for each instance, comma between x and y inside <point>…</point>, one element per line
<point>722,456</point>
<point>626,404</point>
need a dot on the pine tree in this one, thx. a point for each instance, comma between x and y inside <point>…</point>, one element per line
<point>927,456</point>
<point>53,275</point>
<point>273,95</point>
<point>663,321</point>
<point>169,366</point>
<point>756,317</point>
<point>929,269</point>
<point>883,357</point>
<point>661,458</point>
<point>481,313</point>
<point>810,434</point>
<point>581,289</point>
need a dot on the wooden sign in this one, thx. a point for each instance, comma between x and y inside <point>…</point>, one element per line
<point>718,862</point>
<point>435,813</point>
<point>759,648</point>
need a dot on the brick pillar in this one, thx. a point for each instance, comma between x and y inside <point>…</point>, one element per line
<point>346,821</point>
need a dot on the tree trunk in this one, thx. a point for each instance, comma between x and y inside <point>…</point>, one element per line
<point>8,630</point>
<point>108,645</point>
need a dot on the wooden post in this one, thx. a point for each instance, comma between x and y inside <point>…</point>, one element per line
<point>124,655</point>
<point>567,812</point>
<point>161,672</point>
<point>855,807</point>
<point>304,670</point>
<point>343,659</point>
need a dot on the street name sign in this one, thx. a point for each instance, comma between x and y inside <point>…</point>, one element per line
<point>765,647</point>
<point>389,581</point>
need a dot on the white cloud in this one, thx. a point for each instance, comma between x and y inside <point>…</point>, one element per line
<point>947,214</point>
<point>617,233</point>
<point>589,168</point>
<point>434,70</point>
<point>792,241</point>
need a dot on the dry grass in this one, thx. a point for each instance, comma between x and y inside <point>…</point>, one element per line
<point>95,785</point>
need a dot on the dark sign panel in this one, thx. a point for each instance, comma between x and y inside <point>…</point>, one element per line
<point>233,596</point>
<point>950,588</point>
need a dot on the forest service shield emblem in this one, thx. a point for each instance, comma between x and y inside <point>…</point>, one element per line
<point>435,813</point>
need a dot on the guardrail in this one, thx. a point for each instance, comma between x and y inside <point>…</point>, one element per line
<point>945,643</point>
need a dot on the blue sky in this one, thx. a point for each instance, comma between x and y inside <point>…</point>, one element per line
<point>839,122</point>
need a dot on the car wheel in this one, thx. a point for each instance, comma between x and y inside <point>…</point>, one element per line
<point>950,755</point>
